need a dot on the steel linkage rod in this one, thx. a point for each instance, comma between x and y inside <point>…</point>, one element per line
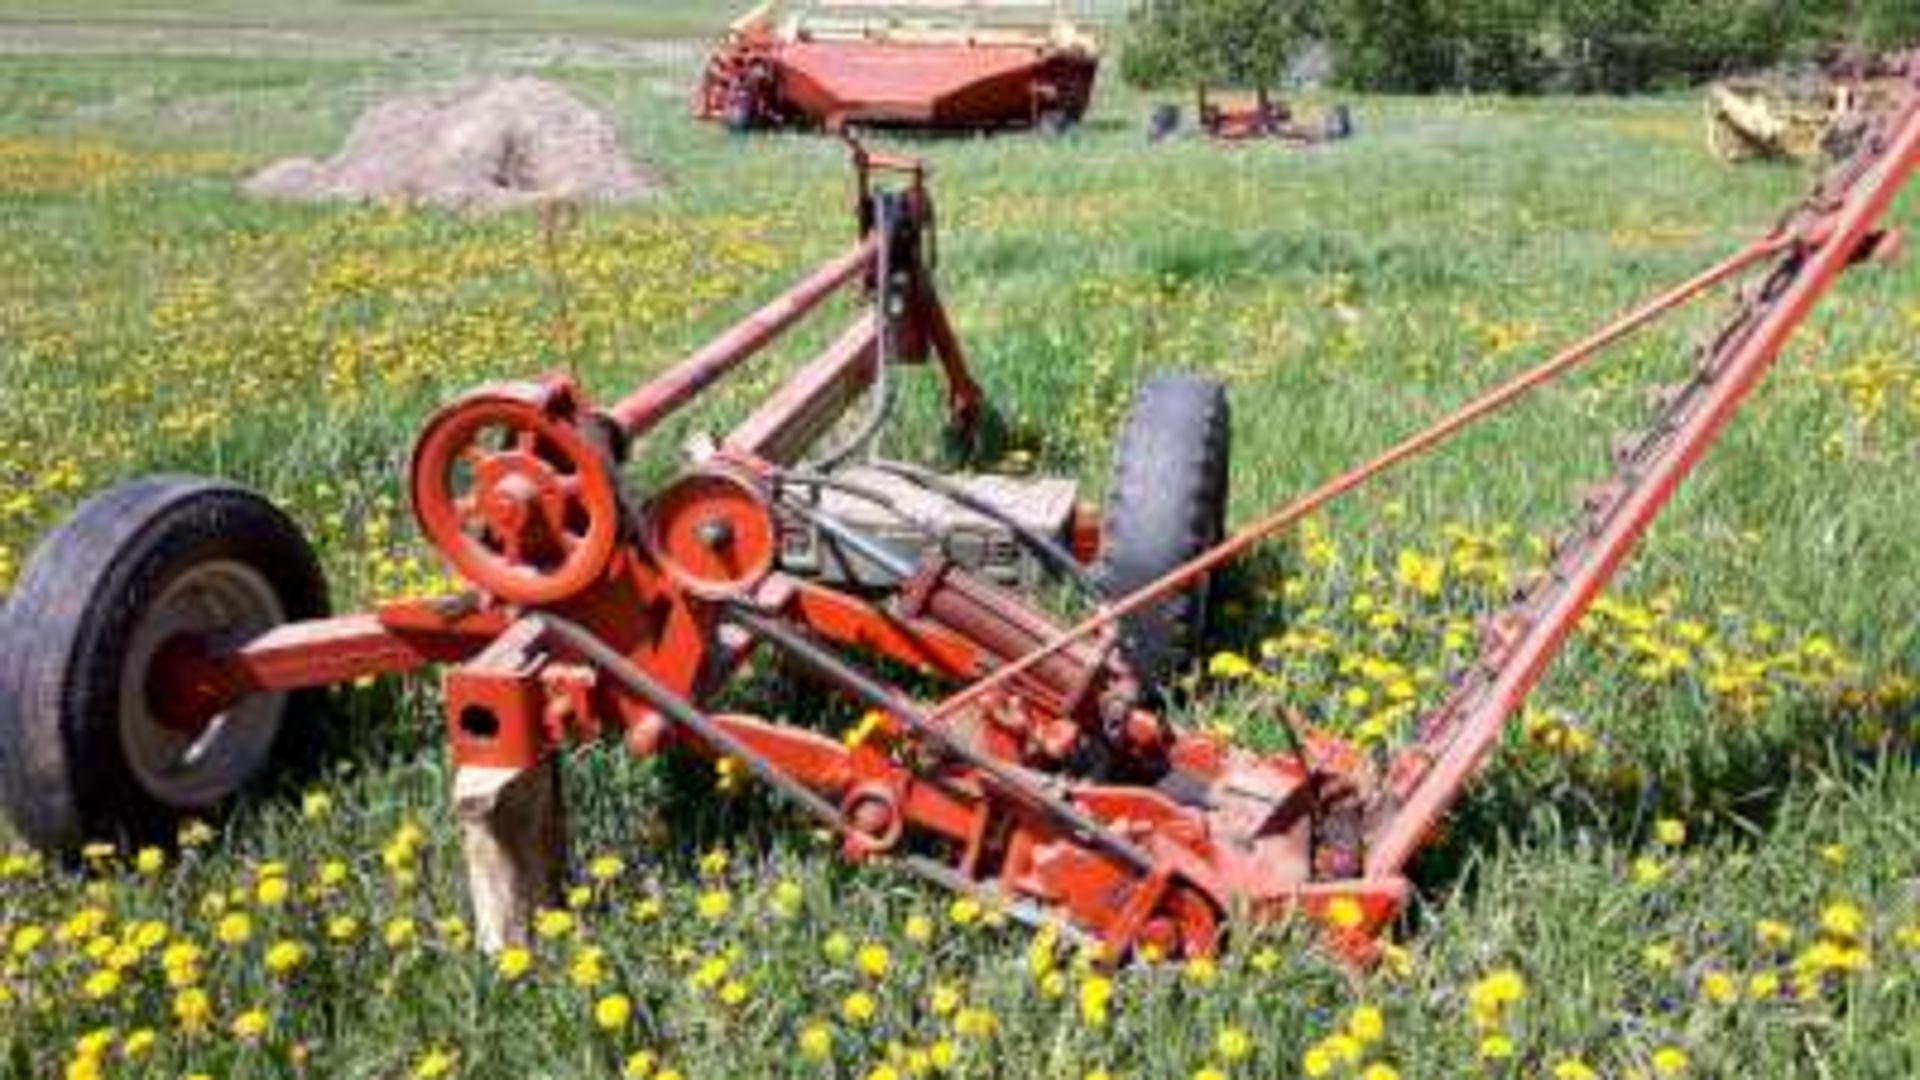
<point>641,410</point>
<point>1084,828</point>
<point>1478,409</point>
<point>676,709</point>
<point>720,741</point>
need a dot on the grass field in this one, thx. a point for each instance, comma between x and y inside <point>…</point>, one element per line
<point>1700,853</point>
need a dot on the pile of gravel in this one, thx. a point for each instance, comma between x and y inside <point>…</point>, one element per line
<point>491,146</point>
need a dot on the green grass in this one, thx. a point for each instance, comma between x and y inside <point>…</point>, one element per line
<point>150,319</point>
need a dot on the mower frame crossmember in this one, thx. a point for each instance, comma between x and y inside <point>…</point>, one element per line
<point>1044,781</point>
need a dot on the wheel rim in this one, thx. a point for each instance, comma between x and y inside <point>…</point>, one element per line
<point>225,602</point>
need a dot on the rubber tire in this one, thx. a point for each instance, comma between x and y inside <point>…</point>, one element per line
<point>1337,124</point>
<point>64,778</point>
<point>1163,122</point>
<point>740,117</point>
<point>1167,504</point>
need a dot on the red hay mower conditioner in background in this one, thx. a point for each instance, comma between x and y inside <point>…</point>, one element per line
<point>168,639</point>
<point>931,64</point>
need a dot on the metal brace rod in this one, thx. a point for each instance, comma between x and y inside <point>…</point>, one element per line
<point>1085,829</point>
<point>1478,409</point>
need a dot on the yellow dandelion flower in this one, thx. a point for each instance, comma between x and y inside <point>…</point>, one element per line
<point>1496,1048</point>
<point>251,1024</point>
<point>1380,1070</point>
<point>612,1012</point>
<point>1719,988</point>
<point>342,928</point>
<point>283,957</point>
<point>1229,665</point>
<point>1317,1061</point>
<point>919,929</point>
<point>1763,986</point>
<point>714,904</point>
<point>513,962</point>
<point>1671,1061</point>
<point>858,1007</point>
<point>95,1043</point>
<point>149,934</point>
<point>589,968</point>
<point>1233,1043</point>
<point>234,929</point>
<point>150,860</point>
<point>1367,1024</point>
<point>139,1044</point>
<point>1096,992</point>
<point>552,924</point>
<point>316,805</point>
<point>974,1023</point>
<point>401,932</point>
<point>816,1042</point>
<point>964,911</point>
<point>1345,1048</point>
<point>435,1064</point>
<point>1843,920</point>
<point>1671,832</point>
<point>193,1010</point>
<point>26,940</point>
<point>944,999</point>
<point>1501,987</point>
<point>872,959</point>
<point>100,985</point>
<point>638,1066</point>
<point>333,874</point>
<point>1574,1069</point>
<point>1773,933</point>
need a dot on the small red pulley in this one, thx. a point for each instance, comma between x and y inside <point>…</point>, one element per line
<point>713,533</point>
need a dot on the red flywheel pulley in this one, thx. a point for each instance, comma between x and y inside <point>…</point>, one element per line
<point>515,494</point>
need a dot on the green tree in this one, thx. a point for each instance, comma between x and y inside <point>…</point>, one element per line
<point>1215,43</point>
<point>1610,45</point>
<point>1399,45</point>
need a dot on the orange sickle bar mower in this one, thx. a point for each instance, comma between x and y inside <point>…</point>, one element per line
<point>163,639</point>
